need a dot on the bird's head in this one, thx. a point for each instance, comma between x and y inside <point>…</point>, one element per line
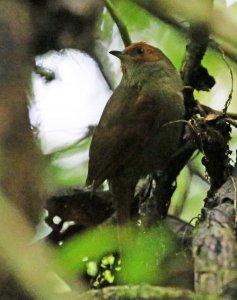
<point>140,60</point>
<point>138,54</point>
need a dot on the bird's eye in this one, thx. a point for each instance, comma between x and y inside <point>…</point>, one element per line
<point>140,50</point>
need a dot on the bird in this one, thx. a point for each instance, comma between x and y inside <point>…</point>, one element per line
<point>139,129</point>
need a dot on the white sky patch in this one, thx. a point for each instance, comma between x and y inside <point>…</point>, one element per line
<point>75,99</point>
<point>230,2</point>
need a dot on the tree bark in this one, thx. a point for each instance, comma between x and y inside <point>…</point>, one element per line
<point>214,244</point>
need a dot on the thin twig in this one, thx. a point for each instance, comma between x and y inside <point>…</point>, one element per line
<point>209,110</point>
<point>64,149</point>
<point>186,229</point>
<point>46,73</point>
<point>118,21</point>
<point>231,122</point>
<point>228,101</point>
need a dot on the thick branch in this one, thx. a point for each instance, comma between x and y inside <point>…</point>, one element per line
<point>141,292</point>
<point>88,211</point>
<point>192,73</point>
<point>214,244</point>
<point>20,158</point>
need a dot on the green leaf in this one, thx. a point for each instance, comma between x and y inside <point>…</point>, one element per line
<point>93,245</point>
<point>144,256</point>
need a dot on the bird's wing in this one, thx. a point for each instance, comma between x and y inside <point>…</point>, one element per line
<point>110,136</point>
<point>127,124</point>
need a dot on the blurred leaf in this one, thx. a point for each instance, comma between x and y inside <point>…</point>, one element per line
<point>93,244</point>
<point>135,17</point>
<point>140,262</point>
<point>144,255</point>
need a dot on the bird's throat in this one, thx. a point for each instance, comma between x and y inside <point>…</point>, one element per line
<point>132,75</point>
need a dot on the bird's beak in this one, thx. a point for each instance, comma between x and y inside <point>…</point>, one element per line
<point>118,54</point>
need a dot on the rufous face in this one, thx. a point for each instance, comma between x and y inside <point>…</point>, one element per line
<point>141,52</point>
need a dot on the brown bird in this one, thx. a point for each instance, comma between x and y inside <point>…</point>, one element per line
<point>136,134</point>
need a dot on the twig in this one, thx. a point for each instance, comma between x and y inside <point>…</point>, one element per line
<point>47,74</point>
<point>118,21</point>
<point>209,110</point>
<point>64,149</point>
<point>231,122</point>
<point>228,101</point>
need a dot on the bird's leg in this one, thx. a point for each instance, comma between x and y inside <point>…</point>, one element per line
<point>123,195</point>
<point>123,202</point>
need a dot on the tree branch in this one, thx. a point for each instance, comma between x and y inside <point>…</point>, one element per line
<point>20,158</point>
<point>141,292</point>
<point>214,244</point>
<point>118,21</point>
<point>47,74</point>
